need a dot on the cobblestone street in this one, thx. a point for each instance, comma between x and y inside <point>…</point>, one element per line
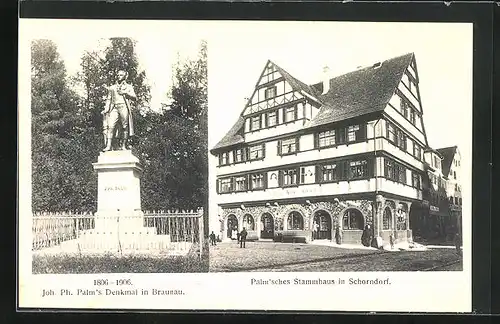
<point>289,257</point>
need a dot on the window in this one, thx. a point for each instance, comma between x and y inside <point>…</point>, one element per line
<point>241,183</point>
<point>456,200</point>
<point>295,221</point>
<point>270,92</point>
<point>416,180</point>
<point>289,177</point>
<point>353,133</point>
<point>412,117</point>
<point>288,146</point>
<point>272,118</point>
<point>290,113</point>
<point>255,123</point>
<point>239,155</point>
<point>225,185</point>
<point>401,140</point>
<point>387,219</point>
<point>451,199</point>
<point>395,171</point>
<point>391,132</point>
<point>328,172</point>
<point>224,158</point>
<point>460,201</point>
<point>404,108</point>
<point>359,169</point>
<point>256,152</point>
<point>257,181</point>
<point>417,151</point>
<point>455,175</point>
<point>352,220</point>
<point>302,175</point>
<point>326,138</point>
<point>248,222</point>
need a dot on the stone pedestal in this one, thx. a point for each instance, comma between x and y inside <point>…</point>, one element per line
<point>119,221</point>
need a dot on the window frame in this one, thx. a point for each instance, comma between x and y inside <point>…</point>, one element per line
<point>295,145</point>
<point>262,150</point>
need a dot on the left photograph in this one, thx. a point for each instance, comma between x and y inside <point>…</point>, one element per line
<point>119,155</point>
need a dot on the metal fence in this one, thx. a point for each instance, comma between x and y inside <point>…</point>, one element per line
<point>174,231</point>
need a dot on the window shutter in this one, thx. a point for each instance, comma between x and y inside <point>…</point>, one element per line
<point>248,182</point>
<point>280,178</point>
<point>220,158</point>
<point>316,140</point>
<point>264,175</point>
<point>317,174</point>
<point>263,150</point>
<point>217,184</point>
<point>297,144</point>
<point>282,112</point>
<point>362,132</point>
<point>371,167</point>
<point>279,147</point>
<point>233,184</point>
<point>246,154</point>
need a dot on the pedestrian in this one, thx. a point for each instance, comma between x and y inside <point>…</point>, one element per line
<point>458,243</point>
<point>212,238</point>
<point>243,237</point>
<point>338,235</point>
<point>315,231</point>
<point>392,239</point>
<point>238,237</point>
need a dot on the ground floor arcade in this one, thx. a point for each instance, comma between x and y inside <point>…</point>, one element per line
<point>298,218</point>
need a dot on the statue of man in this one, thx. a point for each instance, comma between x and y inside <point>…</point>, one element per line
<point>118,111</point>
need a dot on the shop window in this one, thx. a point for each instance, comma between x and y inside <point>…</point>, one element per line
<point>352,220</point>
<point>248,222</point>
<point>295,221</point>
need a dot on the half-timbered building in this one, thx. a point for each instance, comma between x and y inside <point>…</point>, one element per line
<point>345,153</point>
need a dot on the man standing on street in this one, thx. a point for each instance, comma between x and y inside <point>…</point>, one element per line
<point>243,237</point>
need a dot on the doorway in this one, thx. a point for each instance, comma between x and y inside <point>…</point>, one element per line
<point>267,226</point>
<point>324,220</point>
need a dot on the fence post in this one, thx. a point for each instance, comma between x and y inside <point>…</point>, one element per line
<point>202,231</point>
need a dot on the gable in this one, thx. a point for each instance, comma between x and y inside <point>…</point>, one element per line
<point>275,87</point>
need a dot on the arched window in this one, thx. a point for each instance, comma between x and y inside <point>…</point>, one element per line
<point>295,221</point>
<point>248,222</point>
<point>387,219</point>
<point>352,220</point>
<point>401,216</point>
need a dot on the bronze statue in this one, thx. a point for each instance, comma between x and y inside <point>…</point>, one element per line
<point>117,111</point>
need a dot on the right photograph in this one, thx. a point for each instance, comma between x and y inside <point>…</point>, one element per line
<point>340,151</point>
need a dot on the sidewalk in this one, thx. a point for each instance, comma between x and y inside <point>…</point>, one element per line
<point>342,246</point>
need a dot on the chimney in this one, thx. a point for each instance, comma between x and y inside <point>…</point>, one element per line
<point>326,79</point>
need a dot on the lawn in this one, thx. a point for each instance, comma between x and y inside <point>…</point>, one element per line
<point>267,256</point>
<point>110,263</point>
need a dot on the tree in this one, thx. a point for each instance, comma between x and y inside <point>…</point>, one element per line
<point>56,184</point>
<point>174,147</point>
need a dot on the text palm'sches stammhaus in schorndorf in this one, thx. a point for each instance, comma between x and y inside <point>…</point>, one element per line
<point>342,155</point>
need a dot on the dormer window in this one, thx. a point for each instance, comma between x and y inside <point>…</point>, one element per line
<point>270,92</point>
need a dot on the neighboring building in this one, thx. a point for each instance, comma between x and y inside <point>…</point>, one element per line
<point>346,152</point>
<point>442,194</point>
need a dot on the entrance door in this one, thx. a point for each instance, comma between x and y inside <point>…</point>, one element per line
<point>324,221</point>
<point>232,227</point>
<point>267,226</point>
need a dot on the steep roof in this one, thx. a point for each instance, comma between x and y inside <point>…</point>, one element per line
<point>351,95</point>
<point>360,92</point>
<point>448,154</point>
